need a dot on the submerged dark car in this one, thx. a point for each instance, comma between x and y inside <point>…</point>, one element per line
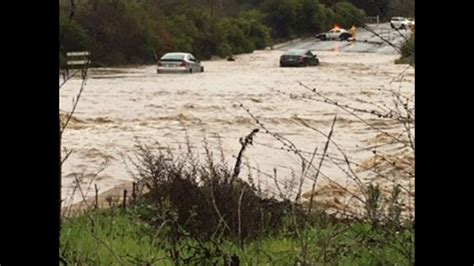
<point>298,57</point>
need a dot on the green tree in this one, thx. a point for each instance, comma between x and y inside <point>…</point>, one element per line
<point>374,7</point>
<point>347,15</point>
<point>281,16</point>
<point>135,32</point>
<point>327,15</point>
<point>72,35</point>
<point>310,18</point>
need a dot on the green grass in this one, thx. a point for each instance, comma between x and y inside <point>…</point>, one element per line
<point>118,237</point>
<point>107,238</point>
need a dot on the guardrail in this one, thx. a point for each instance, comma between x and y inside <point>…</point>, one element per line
<point>373,19</point>
<point>78,60</point>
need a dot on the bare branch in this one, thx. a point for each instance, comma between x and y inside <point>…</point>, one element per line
<point>351,113</point>
<point>248,140</point>
<point>76,102</point>
<point>68,77</point>
<point>68,153</point>
<point>305,170</point>
<point>320,164</point>
<point>239,216</point>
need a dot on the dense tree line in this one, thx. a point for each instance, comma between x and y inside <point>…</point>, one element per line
<point>137,31</point>
<point>383,8</point>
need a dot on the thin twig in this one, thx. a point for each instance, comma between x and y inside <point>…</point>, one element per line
<point>76,102</point>
<point>66,79</point>
<point>320,164</point>
<point>239,216</point>
<point>305,170</point>
<point>68,153</point>
<point>351,113</point>
<point>248,140</point>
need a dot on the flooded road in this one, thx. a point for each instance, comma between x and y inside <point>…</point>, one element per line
<point>122,106</point>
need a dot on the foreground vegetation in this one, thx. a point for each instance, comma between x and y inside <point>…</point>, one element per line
<point>204,214</point>
<point>120,237</point>
<point>407,53</point>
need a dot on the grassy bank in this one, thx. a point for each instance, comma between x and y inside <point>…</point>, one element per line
<point>202,213</point>
<point>120,237</point>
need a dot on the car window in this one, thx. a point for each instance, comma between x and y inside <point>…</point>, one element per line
<point>293,52</point>
<point>172,57</point>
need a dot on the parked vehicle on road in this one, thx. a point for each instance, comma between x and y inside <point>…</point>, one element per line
<point>298,57</point>
<point>179,63</point>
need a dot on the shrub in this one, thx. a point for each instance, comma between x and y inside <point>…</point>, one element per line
<point>347,15</point>
<point>204,200</point>
<point>407,51</point>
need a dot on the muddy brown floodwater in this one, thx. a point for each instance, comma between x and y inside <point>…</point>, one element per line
<point>122,106</point>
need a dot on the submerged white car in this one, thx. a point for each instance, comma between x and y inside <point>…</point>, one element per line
<point>179,63</point>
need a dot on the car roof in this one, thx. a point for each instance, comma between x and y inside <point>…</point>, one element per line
<point>177,53</point>
<point>295,51</point>
<point>341,29</point>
